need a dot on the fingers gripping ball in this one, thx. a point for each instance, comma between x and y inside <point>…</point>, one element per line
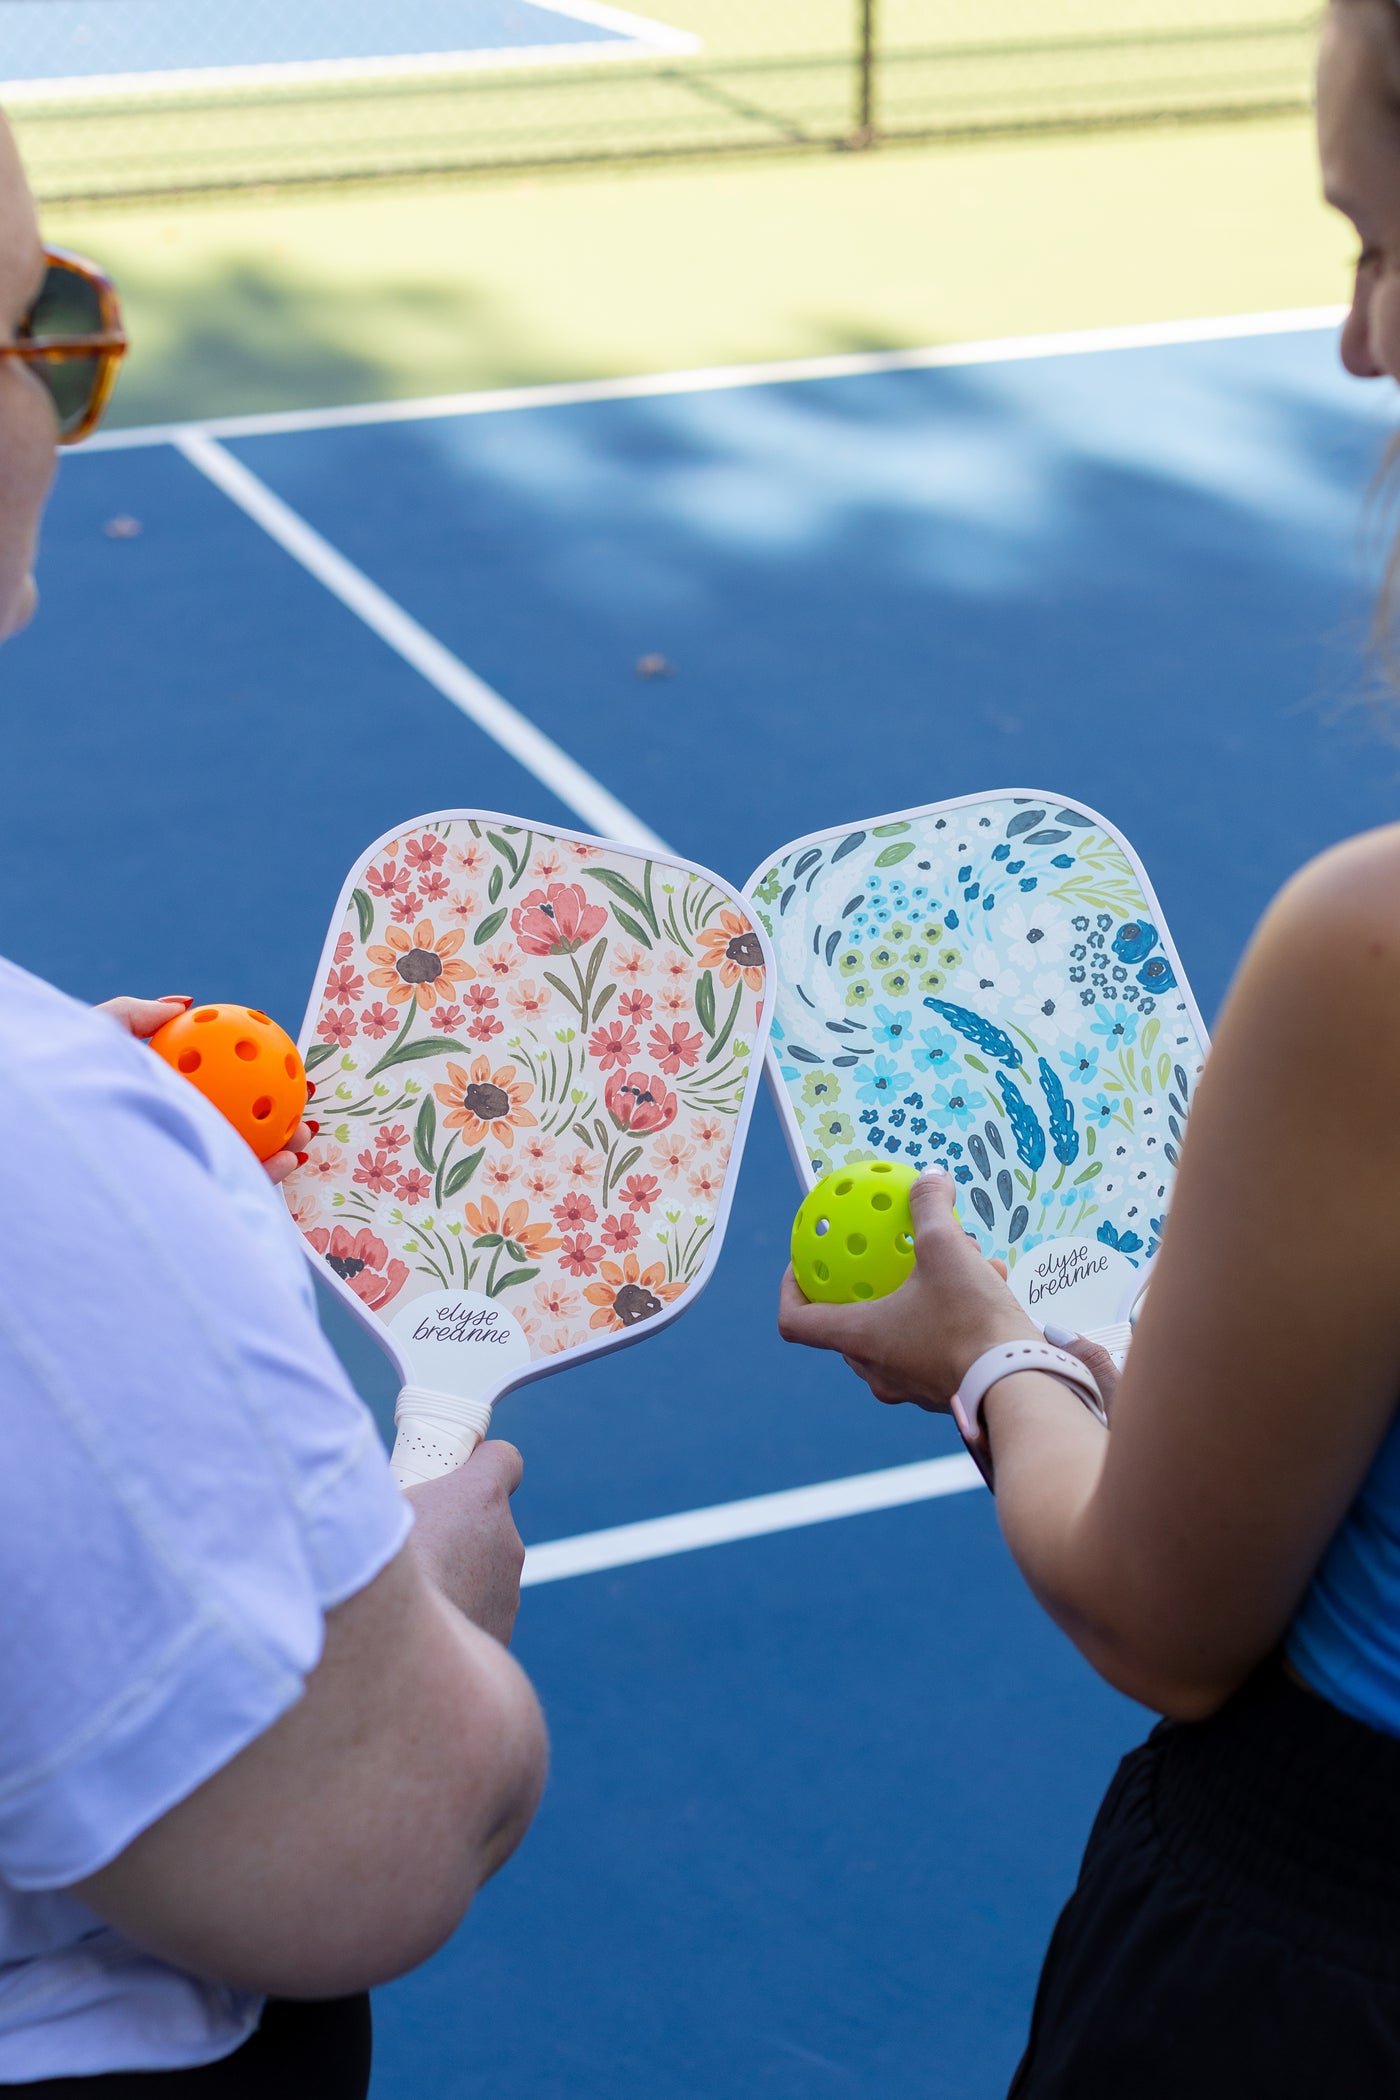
<point>245,1064</point>
<point>854,1236</point>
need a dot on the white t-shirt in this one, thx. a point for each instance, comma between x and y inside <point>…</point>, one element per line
<point>187,1484</point>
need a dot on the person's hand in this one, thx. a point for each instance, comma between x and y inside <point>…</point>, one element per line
<point>1092,1355</point>
<point>464,1534</point>
<point>142,1017</point>
<point>916,1344</point>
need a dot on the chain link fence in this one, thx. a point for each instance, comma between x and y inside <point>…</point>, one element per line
<point>128,98</point>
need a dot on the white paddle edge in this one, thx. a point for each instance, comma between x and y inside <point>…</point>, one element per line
<point>787,1117</point>
<point>606,1343</point>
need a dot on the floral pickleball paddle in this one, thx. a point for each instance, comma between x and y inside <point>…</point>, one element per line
<point>535,1056</point>
<point>987,984</point>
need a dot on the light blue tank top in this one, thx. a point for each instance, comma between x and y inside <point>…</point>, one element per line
<point>1345,1640</point>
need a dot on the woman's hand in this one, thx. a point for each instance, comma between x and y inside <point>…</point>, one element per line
<point>917,1344</point>
<point>142,1017</point>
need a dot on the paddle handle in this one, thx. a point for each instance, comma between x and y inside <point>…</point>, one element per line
<point>437,1432</point>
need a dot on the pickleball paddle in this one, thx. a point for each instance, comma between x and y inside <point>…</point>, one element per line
<point>988,984</point>
<point>535,1057</point>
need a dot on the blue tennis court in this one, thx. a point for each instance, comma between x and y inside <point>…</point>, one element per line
<point>73,46</point>
<point>817,1794</point>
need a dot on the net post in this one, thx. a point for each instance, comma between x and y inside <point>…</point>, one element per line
<point>865,133</point>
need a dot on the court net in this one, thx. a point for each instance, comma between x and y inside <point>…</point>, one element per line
<point>117,98</point>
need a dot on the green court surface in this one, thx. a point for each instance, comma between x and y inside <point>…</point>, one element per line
<point>287,300</point>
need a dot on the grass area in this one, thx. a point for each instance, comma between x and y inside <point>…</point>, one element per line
<point>366,294</point>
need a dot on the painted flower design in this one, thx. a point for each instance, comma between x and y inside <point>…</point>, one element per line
<point>640,1191</point>
<point>555,1300</point>
<point>486,1220</point>
<point>587,1172</point>
<point>422,855</point>
<point>614,1044</point>
<point>482,1103</point>
<point>344,984</point>
<point>734,949</point>
<point>338,1027</point>
<point>420,965</point>
<point>556,921</point>
<point>676,1046</point>
<point>388,881</point>
<point>379,1020</point>
<point>639,1101</point>
<point>362,1260</point>
<point>626,1293</point>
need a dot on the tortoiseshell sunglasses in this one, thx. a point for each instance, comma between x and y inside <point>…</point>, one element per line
<point>73,340</point>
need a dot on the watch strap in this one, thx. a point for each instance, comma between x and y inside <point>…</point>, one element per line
<point>1004,1361</point>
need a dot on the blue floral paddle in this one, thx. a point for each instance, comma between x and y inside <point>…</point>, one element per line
<point>988,984</point>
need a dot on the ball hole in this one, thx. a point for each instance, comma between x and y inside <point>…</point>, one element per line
<point>881,1200</point>
<point>822,1228</point>
<point>855,1242</point>
<point>863,1289</point>
<point>905,1243</point>
<point>262,1108</point>
<point>254,1015</point>
<point>843,1188</point>
<point>189,1060</point>
<point>244,1049</point>
<point>880,1166</point>
<point>206,1013</point>
<point>291,1062</point>
<point>821,1272</point>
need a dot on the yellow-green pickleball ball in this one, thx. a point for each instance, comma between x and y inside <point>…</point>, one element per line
<point>854,1236</point>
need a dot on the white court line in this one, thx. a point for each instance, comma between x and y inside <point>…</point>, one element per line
<point>722,378</point>
<point>658,1537</point>
<point>757,1517</point>
<point>504,724</point>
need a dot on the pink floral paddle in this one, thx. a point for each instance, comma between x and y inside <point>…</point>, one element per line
<point>535,1056</point>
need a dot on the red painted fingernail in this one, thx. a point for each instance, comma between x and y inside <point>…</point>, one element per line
<point>302,1158</point>
<point>310,1088</point>
<point>175,999</point>
<point>314,1127</point>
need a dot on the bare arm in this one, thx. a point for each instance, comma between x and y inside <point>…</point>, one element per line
<point>345,1844</point>
<point>1175,1549</point>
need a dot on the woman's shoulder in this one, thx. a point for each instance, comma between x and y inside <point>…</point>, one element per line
<point>1338,918</point>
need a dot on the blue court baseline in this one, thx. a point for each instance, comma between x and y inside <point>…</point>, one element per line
<point>57,48</point>
<point>817,1792</point>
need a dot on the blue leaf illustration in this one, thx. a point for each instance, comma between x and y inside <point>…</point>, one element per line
<point>1025,1126</point>
<point>1063,1135</point>
<point>984,1034</point>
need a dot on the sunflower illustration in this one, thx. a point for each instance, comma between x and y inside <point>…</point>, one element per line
<point>483,1103</point>
<point>734,949</point>
<point>486,1221</point>
<point>419,965</point>
<point>627,1294</point>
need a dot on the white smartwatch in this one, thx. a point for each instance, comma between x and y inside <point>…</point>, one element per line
<point>1003,1362</point>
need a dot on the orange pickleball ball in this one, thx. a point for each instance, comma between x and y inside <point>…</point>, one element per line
<point>245,1064</point>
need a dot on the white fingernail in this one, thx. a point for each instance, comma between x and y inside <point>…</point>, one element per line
<point>1059,1337</point>
<point>935,1174</point>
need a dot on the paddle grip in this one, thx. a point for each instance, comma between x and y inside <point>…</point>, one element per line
<point>437,1432</point>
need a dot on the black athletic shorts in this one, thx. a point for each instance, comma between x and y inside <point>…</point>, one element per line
<point>313,2051</point>
<point>1235,1934</point>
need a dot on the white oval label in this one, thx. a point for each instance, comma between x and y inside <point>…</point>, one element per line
<point>1076,1283</point>
<point>459,1342</point>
